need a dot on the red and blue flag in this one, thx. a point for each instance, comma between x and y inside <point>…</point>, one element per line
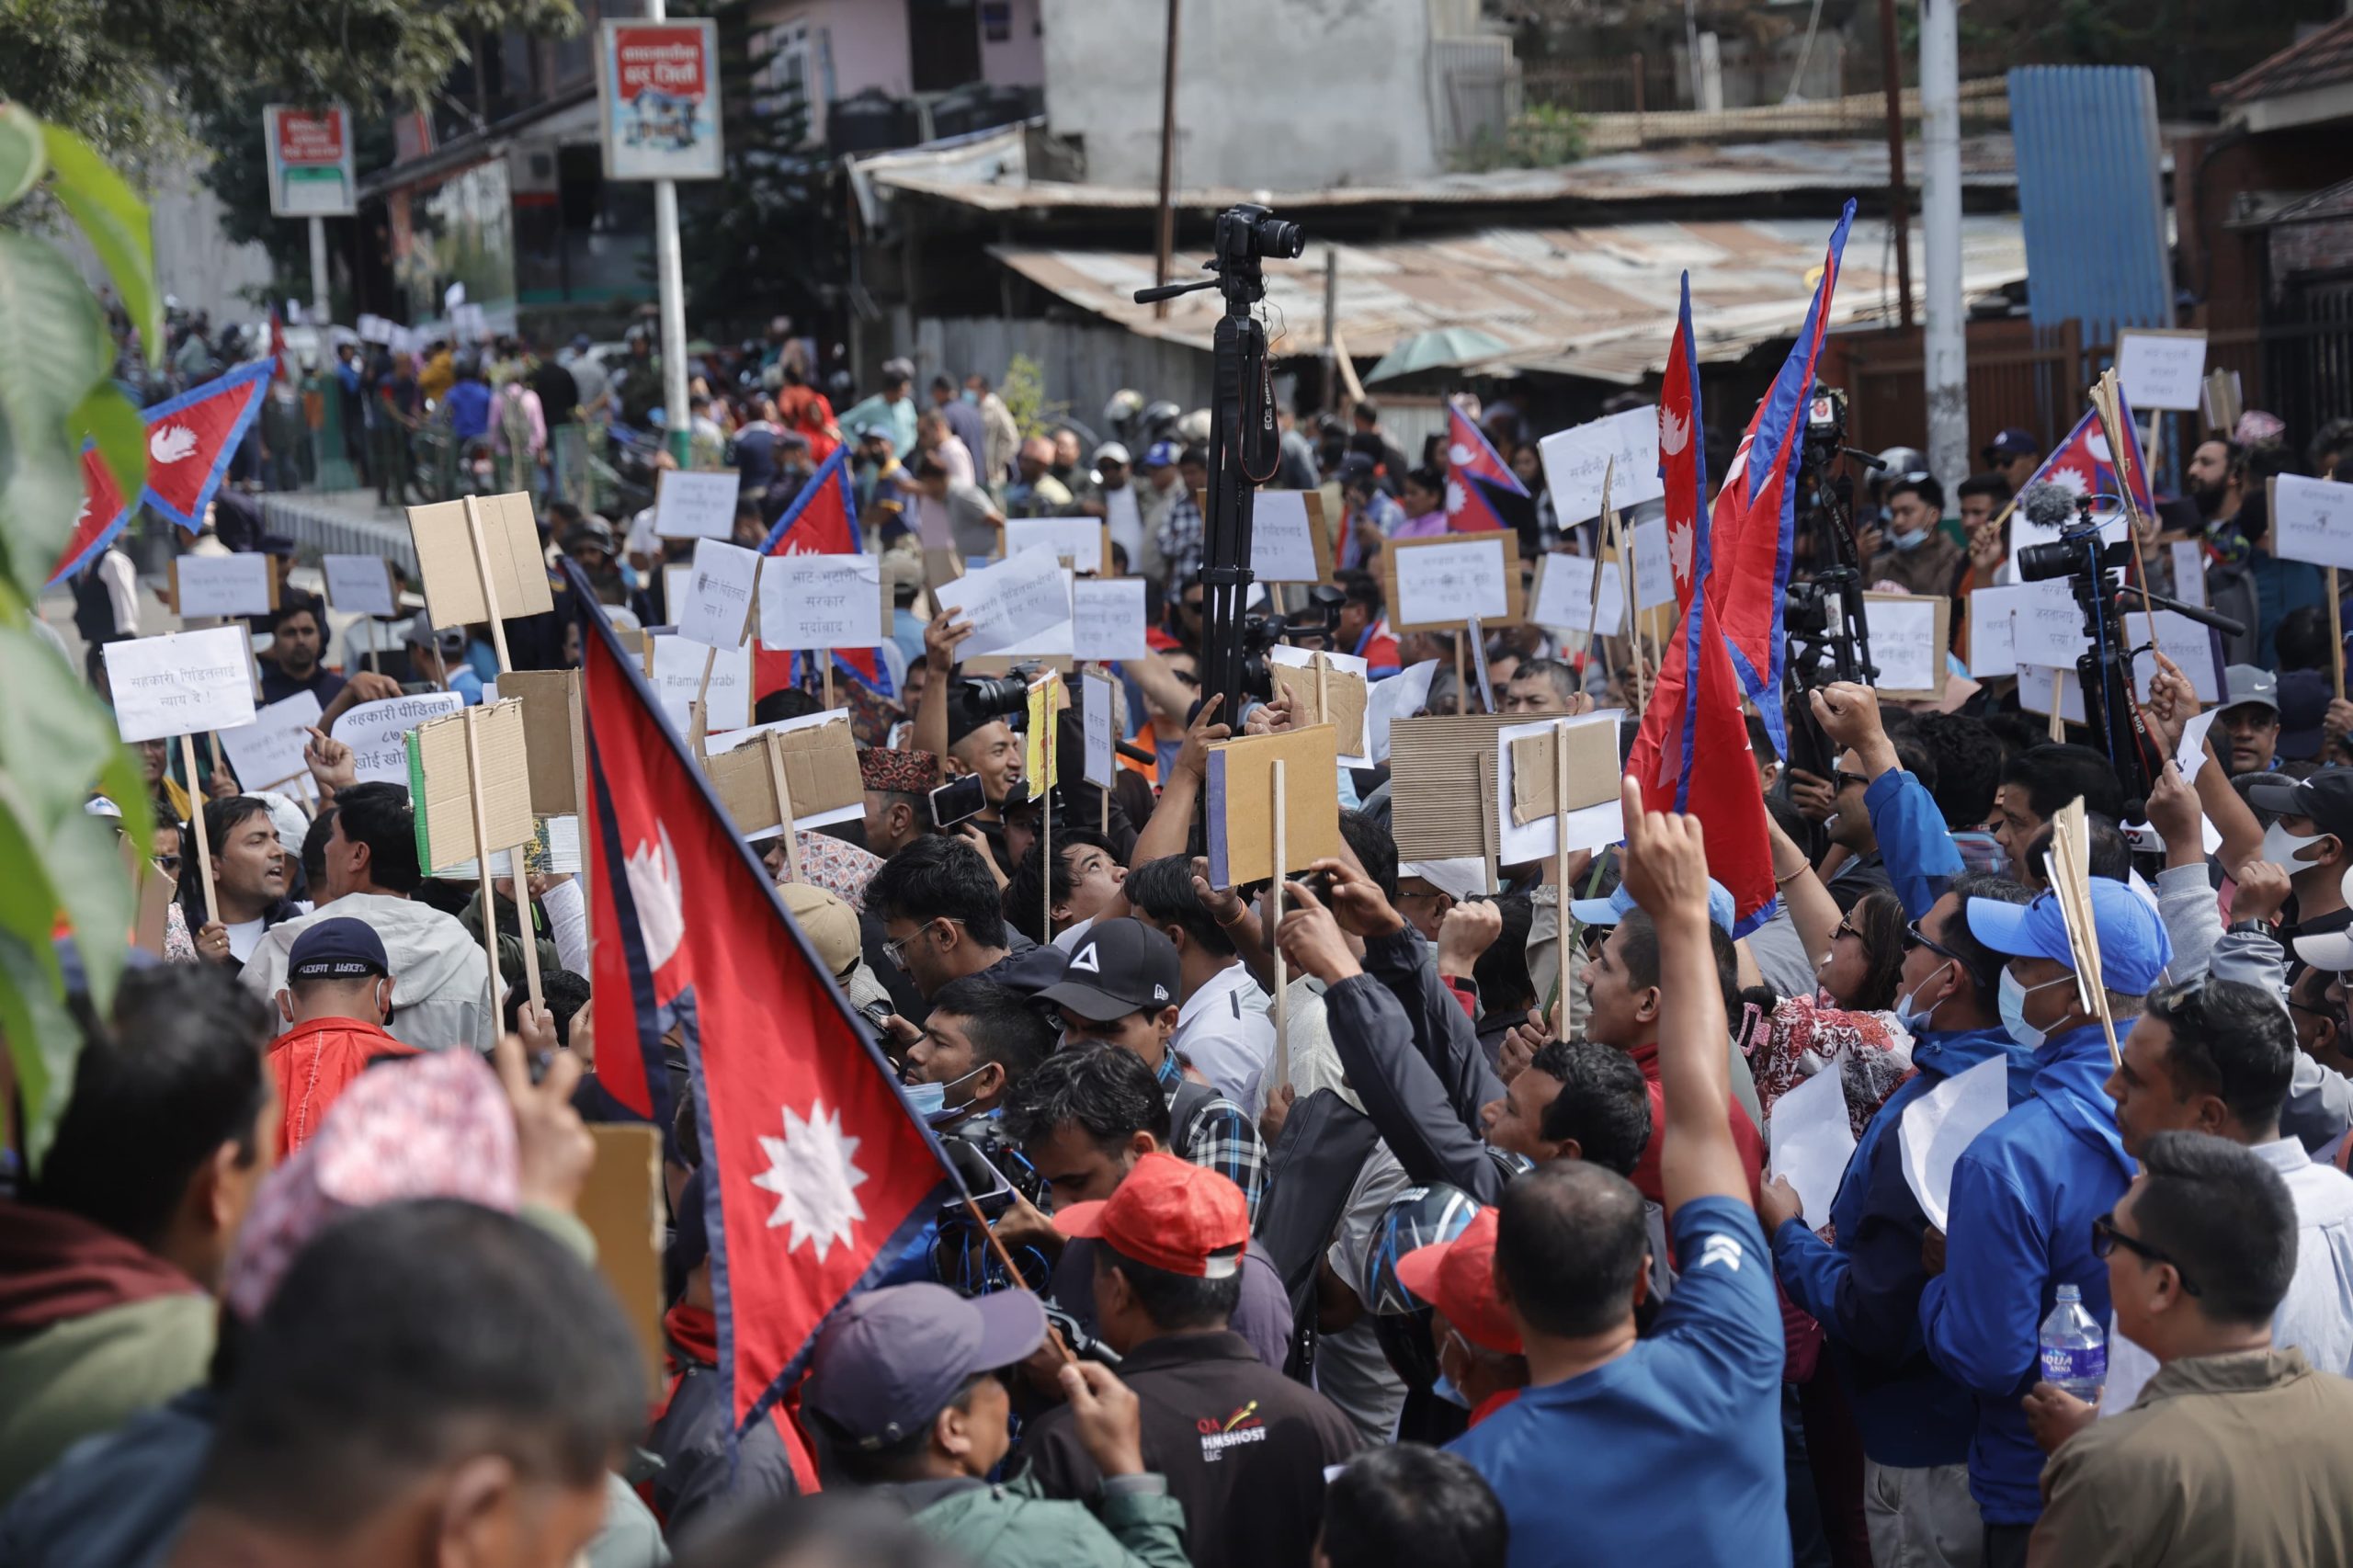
<point>822,521</point>
<point>1474,475</point>
<point>1754,521</point>
<point>2083,465</point>
<point>103,512</point>
<point>1695,706</point>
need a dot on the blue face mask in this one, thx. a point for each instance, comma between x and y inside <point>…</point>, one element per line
<point>969,395</point>
<point>1908,541</point>
<point>930,1099</point>
<point>1915,1020</point>
<point>1444,1388</point>
<point>2013,994</point>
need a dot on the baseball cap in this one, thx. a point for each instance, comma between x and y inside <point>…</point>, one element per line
<point>890,1360</point>
<point>2251,684</point>
<point>2013,442</point>
<point>1120,967</point>
<point>1458,1277</point>
<point>829,924</point>
<point>339,948</point>
<point>1457,879</point>
<point>875,430</point>
<point>2303,703</point>
<point>1169,1214</point>
<point>1111,452</point>
<point>1355,469</point>
<point>2133,946</point>
<point>1611,910</point>
<point>450,640</point>
<point>1161,454</point>
<point>2327,797</point>
<point>592,531</point>
<point>902,569</point>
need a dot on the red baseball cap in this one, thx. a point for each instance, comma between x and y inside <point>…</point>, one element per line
<point>1169,1214</point>
<point>1458,1277</point>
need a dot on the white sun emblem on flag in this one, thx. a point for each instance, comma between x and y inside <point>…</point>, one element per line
<point>1680,539</point>
<point>1456,497</point>
<point>814,1176</point>
<point>2074,481</point>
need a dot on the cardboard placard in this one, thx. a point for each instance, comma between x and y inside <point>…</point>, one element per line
<point>820,772</point>
<point>204,587</point>
<point>941,566</point>
<point>1563,596</point>
<point>1082,544</point>
<point>1438,807</point>
<point>439,787</point>
<point>553,737</point>
<point>376,731</point>
<point>717,608</point>
<point>267,752</point>
<point>1594,772</point>
<point>1010,603</point>
<point>1437,584</point>
<point>1593,748</point>
<point>1290,541</point>
<point>1241,803</point>
<point>1576,460</point>
<point>1098,703</point>
<point>1042,734</point>
<point>2161,367</point>
<point>1107,619</point>
<point>824,601</point>
<point>360,585</point>
<point>181,684</point>
<point>2312,520</point>
<point>2223,400</point>
<point>445,562</point>
<point>695,506</point>
<point>1343,680</point>
<point>621,1203</point>
<point>1909,635</point>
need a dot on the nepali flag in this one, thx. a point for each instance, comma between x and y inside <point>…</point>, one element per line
<point>1695,706</point>
<point>191,438</point>
<point>103,512</point>
<point>1755,521</point>
<point>816,1168</point>
<point>1473,476</point>
<point>2081,464</point>
<point>822,521</point>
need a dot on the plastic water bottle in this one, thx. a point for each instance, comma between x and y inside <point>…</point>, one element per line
<point>2074,1348</point>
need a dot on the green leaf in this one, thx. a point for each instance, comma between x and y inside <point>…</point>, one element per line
<point>22,161</point>
<point>53,350</point>
<point>114,219</point>
<point>108,418</point>
<point>42,1039</point>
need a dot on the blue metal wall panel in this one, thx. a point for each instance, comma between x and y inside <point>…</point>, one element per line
<point>2091,197</point>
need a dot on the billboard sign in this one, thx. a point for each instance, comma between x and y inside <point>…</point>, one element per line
<point>310,161</point>
<point>657,98</point>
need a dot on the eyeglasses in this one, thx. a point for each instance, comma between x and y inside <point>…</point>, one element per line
<point>897,950</point>
<point>1840,780</point>
<point>2107,1238</point>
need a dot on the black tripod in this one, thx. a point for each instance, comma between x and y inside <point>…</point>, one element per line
<point>1244,445</point>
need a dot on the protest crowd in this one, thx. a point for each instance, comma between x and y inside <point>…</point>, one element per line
<point>1844,1122</point>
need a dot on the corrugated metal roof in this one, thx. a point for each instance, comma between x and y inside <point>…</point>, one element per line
<point>2323,60</point>
<point>2092,196</point>
<point>993,176</point>
<point>1592,302</point>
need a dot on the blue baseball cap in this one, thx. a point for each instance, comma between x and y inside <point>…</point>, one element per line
<point>2133,946</point>
<point>1611,910</point>
<point>1161,454</point>
<point>337,948</point>
<point>890,1360</point>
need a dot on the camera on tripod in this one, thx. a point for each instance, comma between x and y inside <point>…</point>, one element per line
<point>1246,232</point>
<point>976,699</point>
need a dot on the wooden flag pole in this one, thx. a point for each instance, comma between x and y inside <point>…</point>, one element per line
<point>2115,426</point>
<point>196,814</point>
<point>775,744</point>
<point>825,665</point>
<point>1046,852</point>
<point>523,923</point>
<point>482,853</point>
<point>1282,988</point>
<point>2337,634</point>
<point>489,588</point>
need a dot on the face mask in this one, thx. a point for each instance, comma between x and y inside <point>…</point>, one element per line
<point>1909,541</point>
<point>2013,995</point>
<point>1444,1388</point>
<point>930,1099</point>
<point>969,395</point>
<point>2282,847</point>
<point>1915,1022</point>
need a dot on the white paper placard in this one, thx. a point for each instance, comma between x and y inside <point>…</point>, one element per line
<point>2160,369</point>
<point>1282,546</point>
<point>714,745</point>
<point>1452,583</point>
<point>2048,624</point>
<point>1077,542</point>
<point>821,601</point>
<point>225,585</point>
<point>1564,598</point>
<point>1939,1126</point>
<point>1903,642</point>
<point>677,675</point>
<point>1098,703</point>
<point>2036,683</point>
<point>1107,619</point>
<point>182,684</point>
<point>268,751</point>
<point>2192,754</point>
<point>678,582</point>
<point>719,596</point>
<point>359,585</point>
<point>1808,1134</point>
<point>1011,600</point>
<point>2188,572</point>
<point>696,505</point>
<point>1589,827</point>
<point>1402,696</point>
<point>2184,641</point>
<point>563,853</point>
<point>1654,573</point>
<point>2313,520</point>
<point>373,731</point>
<point>1992,649</point>
<point>1576,460</point>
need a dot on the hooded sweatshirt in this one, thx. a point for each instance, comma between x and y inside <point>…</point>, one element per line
<point>440,979</point>
<point>93,1328</point>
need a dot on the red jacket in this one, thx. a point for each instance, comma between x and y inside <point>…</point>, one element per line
<point>313,1063</point>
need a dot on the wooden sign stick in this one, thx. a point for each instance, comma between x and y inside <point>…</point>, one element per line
<point>2114,425</point>
<point>2057,719</point>
<point>482,853</point>
<point>825,664</point>
<point>1282,988</point>
<point>1324,671</point>
<point>1046,854</point>
<point>489,593</point>
<point>699,710</point>
<point>2337,634</point>
<point>1462,692</point>
<point>775,744</point>
<point>1592,619</point>
<point>196,814</point>
<point>1561,821</point>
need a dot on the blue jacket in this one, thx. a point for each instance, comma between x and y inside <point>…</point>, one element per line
<point>1914,848</point>
<point>1865,1290</point>
<point>2024,1196</point>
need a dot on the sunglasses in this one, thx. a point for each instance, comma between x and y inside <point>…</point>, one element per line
<point>2107,1238</point>
<point>1840,780</point>
<point>1845,928</point>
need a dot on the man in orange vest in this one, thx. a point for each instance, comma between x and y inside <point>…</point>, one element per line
<point>338,997</point>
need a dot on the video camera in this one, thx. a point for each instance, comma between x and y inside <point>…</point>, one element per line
<point>975,699</point>
<point>1829,639</point>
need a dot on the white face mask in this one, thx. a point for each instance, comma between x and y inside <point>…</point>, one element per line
<point>2282,847</point>
<point>1913,1022</point>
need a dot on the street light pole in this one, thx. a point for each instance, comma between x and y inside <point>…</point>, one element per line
<point>670,281</point>
<point>1947,353</point>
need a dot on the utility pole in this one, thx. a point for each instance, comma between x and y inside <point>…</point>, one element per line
<point>1166,245</point>
<point>321,311</point>
<point>1947,344</point>
<point>670,279</point>
<point>1331,326</point>
<point>1898,194</point>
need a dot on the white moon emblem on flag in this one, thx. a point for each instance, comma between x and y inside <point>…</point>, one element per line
<point>814,1173</point>
<point>661,904</point>
<point>171,444</point>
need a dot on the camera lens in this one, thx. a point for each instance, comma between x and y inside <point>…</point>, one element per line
<point>2041,562</point>
<point>1278,238</point>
